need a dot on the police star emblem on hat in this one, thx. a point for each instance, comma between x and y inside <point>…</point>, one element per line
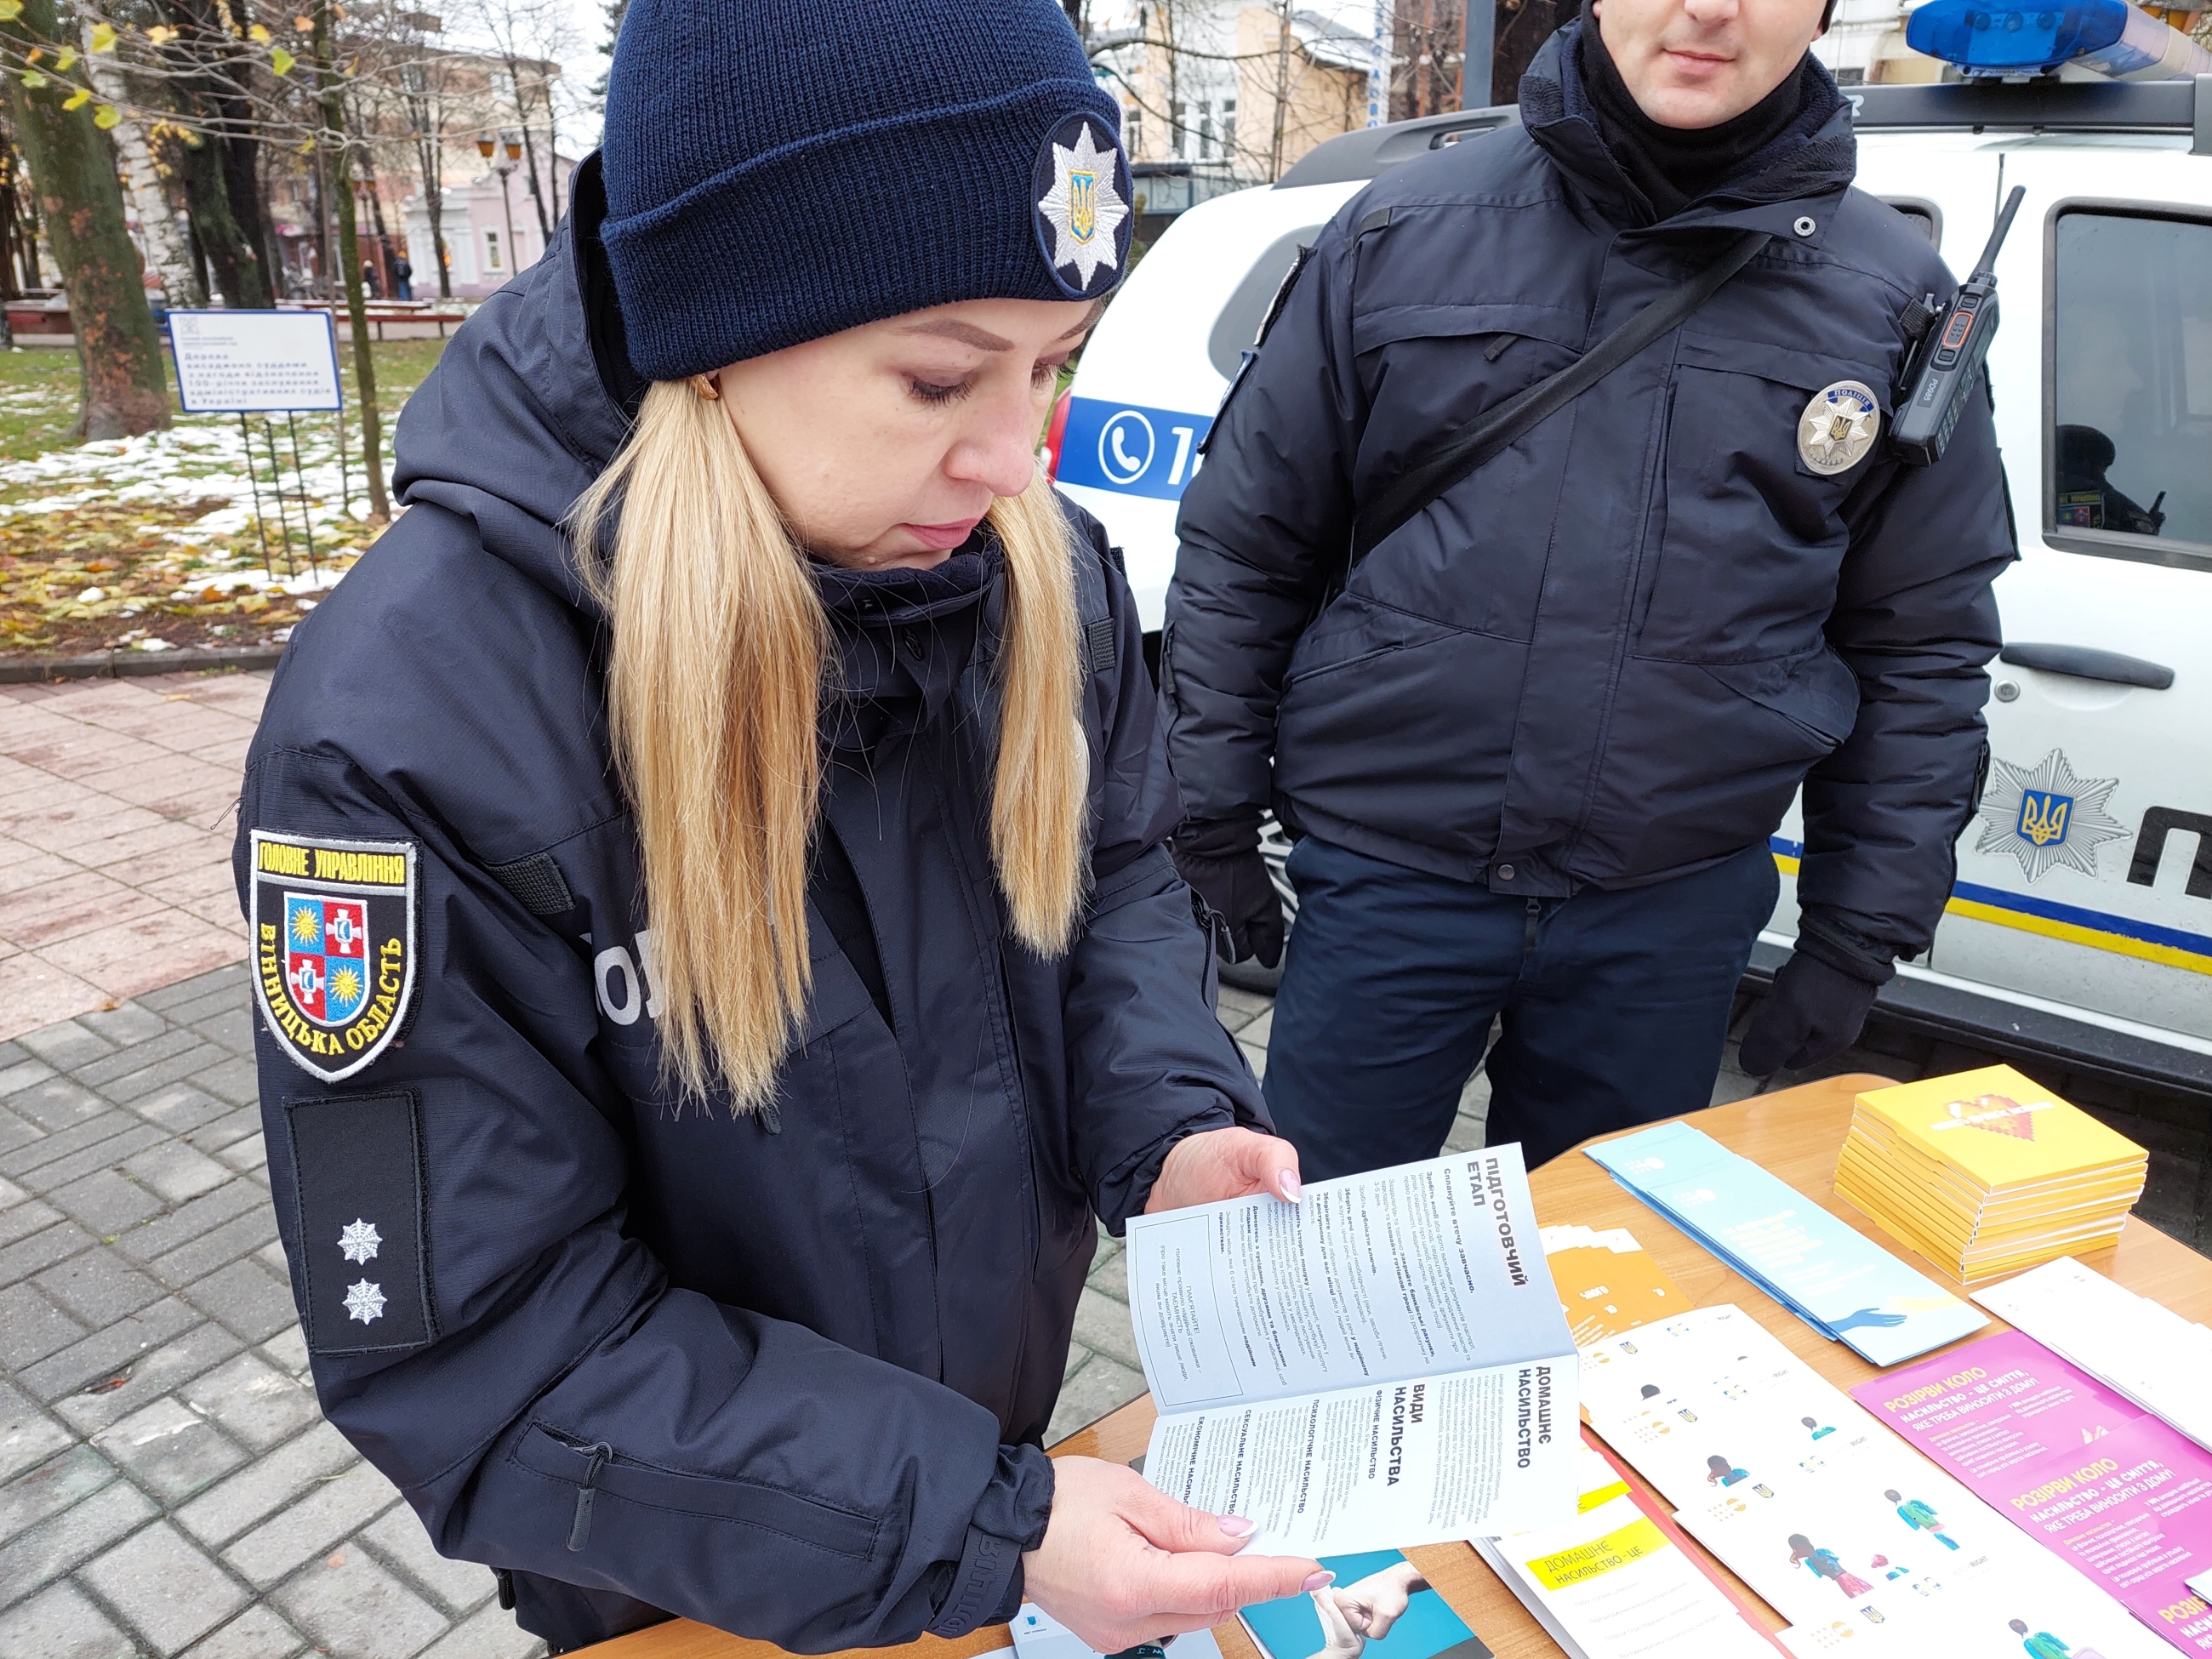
<point>1083,218</point>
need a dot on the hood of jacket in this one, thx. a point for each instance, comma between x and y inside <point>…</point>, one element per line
<point>527,406</point>
<point>1812,161</point>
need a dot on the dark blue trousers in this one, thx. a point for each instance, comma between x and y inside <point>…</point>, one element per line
<point>1614,1005</point>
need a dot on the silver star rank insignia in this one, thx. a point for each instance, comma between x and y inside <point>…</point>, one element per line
<point>364,1301</point>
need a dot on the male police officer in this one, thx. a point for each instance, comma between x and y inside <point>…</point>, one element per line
<point>1534,742</point>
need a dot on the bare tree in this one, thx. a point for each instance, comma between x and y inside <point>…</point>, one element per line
<point>529,39</point>
<point>424,82</point>
<point>1424,39</point>
<point>334,139</point>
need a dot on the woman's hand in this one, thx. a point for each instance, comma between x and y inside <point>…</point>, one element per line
<point>1378,1600</point>
<point>1123,1563</point>
<point>1218,1164</point>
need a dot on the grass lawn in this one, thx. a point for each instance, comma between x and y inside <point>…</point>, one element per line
<point>155,542</point>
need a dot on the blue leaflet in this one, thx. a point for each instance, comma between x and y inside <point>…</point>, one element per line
<point>1843,1284</point>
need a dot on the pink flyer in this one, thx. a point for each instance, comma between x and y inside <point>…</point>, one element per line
<point>2096,1480</point>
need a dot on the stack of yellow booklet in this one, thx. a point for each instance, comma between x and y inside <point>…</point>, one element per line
<point>1986,1172</point>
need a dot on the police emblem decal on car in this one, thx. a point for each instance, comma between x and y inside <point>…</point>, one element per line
<point>2044,815</point>
<point>333,928</point>
<point>1083,220</point>
<point>1837,427</point>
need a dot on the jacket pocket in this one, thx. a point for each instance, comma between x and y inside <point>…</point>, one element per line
<point>1753,538</point>
<point>602,1480</point>
<point>1355,629</point>
<point>1815,691</point>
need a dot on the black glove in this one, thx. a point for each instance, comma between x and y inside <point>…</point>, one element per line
<point>1812,1013</point>
<point>1220,859</point>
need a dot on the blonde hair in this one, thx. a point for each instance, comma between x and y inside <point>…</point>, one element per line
<point>713,687</point>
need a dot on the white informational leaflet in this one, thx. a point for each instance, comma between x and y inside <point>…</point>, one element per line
<point>1610,1585</point>
<point>254,361</point>
<point>1382,1365</point>
<point>2128,1342</point>
<point>1844,1530</point>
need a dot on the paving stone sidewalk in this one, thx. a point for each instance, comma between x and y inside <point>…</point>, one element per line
<point>167,1483</point>
<point>116,798</point>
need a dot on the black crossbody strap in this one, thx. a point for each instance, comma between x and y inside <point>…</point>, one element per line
<point>1494,429</point>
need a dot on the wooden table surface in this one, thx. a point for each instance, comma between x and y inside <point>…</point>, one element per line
<point>1794,1132</point>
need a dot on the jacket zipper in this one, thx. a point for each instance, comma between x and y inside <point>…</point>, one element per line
<point>579,1529</point>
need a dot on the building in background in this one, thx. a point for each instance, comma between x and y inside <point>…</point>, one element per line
<point>491,233</point>
<point>1223,94</point>
<point>1865,46</point>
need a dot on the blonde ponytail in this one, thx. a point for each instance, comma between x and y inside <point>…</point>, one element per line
<point>714,687</point>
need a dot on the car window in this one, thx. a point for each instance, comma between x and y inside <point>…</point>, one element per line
<point>1238,324</point>
<point>2132,397</point>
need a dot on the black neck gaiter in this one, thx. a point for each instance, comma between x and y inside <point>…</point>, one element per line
<point>1675,166</point>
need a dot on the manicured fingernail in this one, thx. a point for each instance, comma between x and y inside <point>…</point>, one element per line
<point>1288,1183</point>
<point>1318,1581</point>
<point>1237,1527</point>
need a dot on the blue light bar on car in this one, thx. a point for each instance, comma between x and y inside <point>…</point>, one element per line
<point>2110,38</point>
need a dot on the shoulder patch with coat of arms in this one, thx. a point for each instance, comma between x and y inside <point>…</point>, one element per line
<point>333,925</point>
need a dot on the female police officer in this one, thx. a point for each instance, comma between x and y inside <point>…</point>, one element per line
<point>716,956</point>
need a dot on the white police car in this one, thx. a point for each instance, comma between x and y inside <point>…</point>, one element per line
<point>2081,925</point>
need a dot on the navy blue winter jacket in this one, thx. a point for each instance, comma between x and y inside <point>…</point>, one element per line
<point>1611,655</point>
<point>800,1361</point>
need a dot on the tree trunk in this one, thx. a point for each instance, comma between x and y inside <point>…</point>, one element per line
<point>328,84</point>
<point>377,227</point>
<point>8,231</point>
<point>249,206</point>
<point>73,173</point>
<point>230,256</point>
<point>224,216</point>
<point>1282,89</point>
<point>529,160</point>
<point>433,207</point>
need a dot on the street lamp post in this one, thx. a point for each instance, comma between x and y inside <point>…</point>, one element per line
<point>487,147</point>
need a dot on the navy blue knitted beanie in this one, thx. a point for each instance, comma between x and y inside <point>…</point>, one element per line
<point>778,170</point>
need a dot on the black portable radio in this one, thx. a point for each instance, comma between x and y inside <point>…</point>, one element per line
<point>1949,353</point>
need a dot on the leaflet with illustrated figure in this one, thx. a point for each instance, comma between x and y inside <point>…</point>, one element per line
<point>2100,1483</point>
<point>1853,1536</point>
<point>1382,1365</point>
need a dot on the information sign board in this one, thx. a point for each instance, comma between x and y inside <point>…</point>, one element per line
<point>255,361</point>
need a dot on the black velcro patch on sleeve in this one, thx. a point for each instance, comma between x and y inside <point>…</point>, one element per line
<point>536,883</point>
<point>357,1168</point>
<point>1100,637</point>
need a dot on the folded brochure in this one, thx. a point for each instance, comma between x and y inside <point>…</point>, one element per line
<point>1607,1282</point>
<point>2103,1485</point>
<point>1841,1283</point>
<point>1381,1365</point>
<point>1618,1583</point>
